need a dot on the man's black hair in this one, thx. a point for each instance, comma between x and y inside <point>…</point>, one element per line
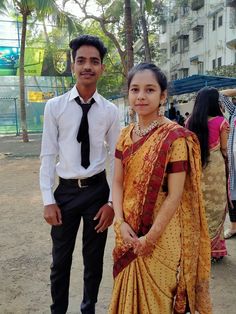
<point>88,40</point>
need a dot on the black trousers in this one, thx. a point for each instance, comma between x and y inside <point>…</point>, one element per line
<point>76,203</point>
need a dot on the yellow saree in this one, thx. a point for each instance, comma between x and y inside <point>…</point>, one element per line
<point>175,278</point>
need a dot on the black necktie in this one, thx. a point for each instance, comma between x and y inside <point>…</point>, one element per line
<point>83,134</point>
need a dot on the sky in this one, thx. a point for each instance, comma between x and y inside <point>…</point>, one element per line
<point>74,9</point>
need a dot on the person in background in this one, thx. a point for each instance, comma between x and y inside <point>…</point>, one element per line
<point>162,251</point>
<point>186,115</point>
<point>179,118</point>
<point>211,128</point>
<point>172,112</point>
<point>230,106</point>
<point>76,126</point>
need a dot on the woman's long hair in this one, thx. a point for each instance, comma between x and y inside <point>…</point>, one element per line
<point>206,105</point>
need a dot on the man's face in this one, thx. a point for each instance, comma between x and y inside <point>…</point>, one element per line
<point>234,101</point>
<point>87,66</point>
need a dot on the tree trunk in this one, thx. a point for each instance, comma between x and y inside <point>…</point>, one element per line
<point>145,32</point>
<point>129,35</point>
<point>22,80</point>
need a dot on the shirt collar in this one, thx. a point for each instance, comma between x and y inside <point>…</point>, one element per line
<point>74,93</point>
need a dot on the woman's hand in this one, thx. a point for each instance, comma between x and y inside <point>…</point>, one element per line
<point>128,234</point>
<point>143,246</point>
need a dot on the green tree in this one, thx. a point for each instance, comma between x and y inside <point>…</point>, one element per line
<point>129,35</point>
<point>143,6</point>
<point>27,9</point>
<point>224,70</point>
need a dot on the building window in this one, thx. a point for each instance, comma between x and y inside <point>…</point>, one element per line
<point>198,32</point>
<point>220,20</point>
<point>213,63</point>
<point>174,77</point>
<point>164,27</point>
<point>214,23</point>
<point>219,62</point>
<point>184,10</point>
<point>184,72</point>
<point>174,17</point>
<point>174,48</point>
<point>200,68</point>
<point>184,43</point>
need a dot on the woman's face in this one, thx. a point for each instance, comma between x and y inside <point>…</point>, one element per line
<point>145,94</point>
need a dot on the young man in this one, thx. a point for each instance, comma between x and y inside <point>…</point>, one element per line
<point>76,126</point>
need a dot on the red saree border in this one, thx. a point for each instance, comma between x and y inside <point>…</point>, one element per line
<point>177,166</point>
<point>154,186</point>
<point>157,178</point>
<point>118,154</point>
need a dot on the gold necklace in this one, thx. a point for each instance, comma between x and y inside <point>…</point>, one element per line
<point>146,130</point>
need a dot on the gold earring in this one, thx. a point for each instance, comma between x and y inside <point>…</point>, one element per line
<point>161,110</point>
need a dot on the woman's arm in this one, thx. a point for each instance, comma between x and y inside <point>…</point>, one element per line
<point>117,189</point>
<point>224,133</point>
<point>127,233</point>
<point>144,245</point>
<point>169,206</point>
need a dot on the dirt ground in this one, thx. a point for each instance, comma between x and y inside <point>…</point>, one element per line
<point>25,245</point>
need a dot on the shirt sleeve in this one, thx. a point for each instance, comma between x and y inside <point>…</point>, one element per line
<point>49,144</point>
<point>47,178</point>
<point>111,139</point>
<point>49,152</point>
<point>229,106</point>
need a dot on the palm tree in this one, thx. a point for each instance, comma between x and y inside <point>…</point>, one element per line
<point>26,9</point>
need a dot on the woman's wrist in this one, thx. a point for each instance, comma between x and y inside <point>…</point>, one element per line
<point>149,240</point>
<point>119,221</point>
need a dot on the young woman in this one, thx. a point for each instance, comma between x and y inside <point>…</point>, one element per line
<point>162,252</point>
<point>211,128</point>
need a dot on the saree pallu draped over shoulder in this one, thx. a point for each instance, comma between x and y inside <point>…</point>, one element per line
<point>175,277</point>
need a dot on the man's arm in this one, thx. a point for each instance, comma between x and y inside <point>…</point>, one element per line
<point>106,213</point>
<point>49,150</point>
<point>229,92</point>
<point>111,139</point>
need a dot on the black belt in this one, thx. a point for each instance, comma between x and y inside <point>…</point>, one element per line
<point>84,183</point>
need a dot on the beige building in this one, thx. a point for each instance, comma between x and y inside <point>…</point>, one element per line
<point>198,37</point>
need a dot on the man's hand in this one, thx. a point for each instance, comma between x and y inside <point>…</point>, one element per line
<point>52,215</point>
<point>105,216</point>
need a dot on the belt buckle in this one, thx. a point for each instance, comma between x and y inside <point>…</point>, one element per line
<point>80,185</point>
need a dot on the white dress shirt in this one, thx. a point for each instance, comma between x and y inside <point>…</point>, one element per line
<point>62,118</point>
